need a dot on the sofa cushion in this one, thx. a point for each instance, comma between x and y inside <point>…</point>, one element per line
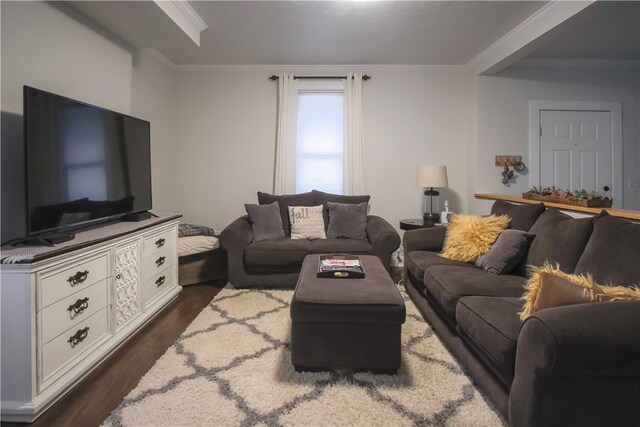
<point>522,216</point>
<point>612,255</point>
<point>560,239</point>
<point>284,201</point>
<point>347,220</point>
<point>491,325</point>
<point>351,246</point>
<point>447,284</point>
<point>266,221</point>
<point>417,262</point>
<point>277,252</point>
<point>323,198</point>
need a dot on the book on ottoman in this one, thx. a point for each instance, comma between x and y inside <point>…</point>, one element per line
<point>338,266</point>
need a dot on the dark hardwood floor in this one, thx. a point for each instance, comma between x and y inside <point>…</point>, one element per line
<point>93,399</point>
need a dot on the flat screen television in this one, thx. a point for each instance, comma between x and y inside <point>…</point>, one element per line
<point>84,164</point>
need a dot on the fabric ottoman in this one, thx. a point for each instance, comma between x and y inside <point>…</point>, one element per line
<point>346,323</point>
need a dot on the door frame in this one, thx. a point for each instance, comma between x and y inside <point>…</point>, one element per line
<point>614,108</point>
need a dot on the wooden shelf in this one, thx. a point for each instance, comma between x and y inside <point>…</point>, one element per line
<point>622,213</point>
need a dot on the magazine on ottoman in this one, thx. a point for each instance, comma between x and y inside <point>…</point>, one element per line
<point>339,266</point>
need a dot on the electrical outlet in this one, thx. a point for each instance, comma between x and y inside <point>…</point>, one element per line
<point>507,160</point>
<point>634,182</point>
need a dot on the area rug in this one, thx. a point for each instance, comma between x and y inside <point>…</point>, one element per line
<point>231,367</point>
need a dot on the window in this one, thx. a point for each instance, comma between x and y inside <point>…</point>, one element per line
<point>320,137</point>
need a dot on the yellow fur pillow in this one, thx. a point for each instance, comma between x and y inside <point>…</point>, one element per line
<point>469,236</point>
<point>550,287</point>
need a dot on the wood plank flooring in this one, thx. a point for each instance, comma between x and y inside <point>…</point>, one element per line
<point>93,399</point>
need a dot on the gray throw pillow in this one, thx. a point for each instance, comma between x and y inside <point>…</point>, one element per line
<point>347,220</point>
<point>266,221</point>
<point>507,251</point>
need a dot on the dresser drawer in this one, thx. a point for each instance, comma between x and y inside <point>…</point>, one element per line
<point>68,312</point>
<point>158,262</point>
<point>158,283</point>
<point>61,352</point>
<point>57,284</point>
<point>159,242</point>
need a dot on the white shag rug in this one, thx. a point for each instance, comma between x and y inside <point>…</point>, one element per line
<point>231,367</point>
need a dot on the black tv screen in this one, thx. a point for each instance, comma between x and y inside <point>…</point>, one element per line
<point>84,163</point>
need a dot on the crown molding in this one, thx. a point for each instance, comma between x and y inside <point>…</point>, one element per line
<point>502,53</point>
<point>301,67</point>
<point>184,16</point>
<point>188,11</point>
<point>158,56</point>
<point>565,62</point>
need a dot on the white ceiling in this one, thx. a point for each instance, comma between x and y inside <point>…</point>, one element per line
<point>363,32</point>
<point>605,30</point>
<point>317,32</point>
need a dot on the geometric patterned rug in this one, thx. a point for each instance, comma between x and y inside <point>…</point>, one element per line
<point>231,367</point>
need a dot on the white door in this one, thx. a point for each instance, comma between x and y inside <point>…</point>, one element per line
<point>576,150</point>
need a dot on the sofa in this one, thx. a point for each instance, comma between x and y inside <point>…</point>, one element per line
<point>574,365</point>
<point>277,262</point>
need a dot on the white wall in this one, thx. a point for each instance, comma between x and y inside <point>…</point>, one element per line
<point>226,127</point>
<point>50,48</point>
<point>152,99</point>
<point>503,117</point>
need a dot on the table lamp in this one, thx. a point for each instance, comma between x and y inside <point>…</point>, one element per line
<point>430,176</point>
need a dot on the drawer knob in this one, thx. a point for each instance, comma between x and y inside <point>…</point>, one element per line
<point>160,261</point>
<point>160,243</point>
<point>79,306</point>
<point>78,337</point>
<point>77,278</point>
<point>160,281</point>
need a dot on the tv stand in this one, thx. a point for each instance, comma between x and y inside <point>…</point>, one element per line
<point>65,309</point>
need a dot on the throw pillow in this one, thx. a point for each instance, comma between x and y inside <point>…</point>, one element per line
<point>469,236</point>
<point>551,287</point>
<point>306,222</point>
<point>522,216</point>
<point>347,220</point>
<point>324,198</point>
<point>286,200</point>
<point>265,221</point>
<point>506,252</point>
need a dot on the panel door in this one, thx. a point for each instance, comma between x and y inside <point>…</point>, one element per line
<point>576,150</point>
<point>127,283</point>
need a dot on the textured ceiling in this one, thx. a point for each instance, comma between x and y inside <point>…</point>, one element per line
<point>318,32</point>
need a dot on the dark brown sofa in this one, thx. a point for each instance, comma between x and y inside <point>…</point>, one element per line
<point>564,366</point>
<point>277,263</point>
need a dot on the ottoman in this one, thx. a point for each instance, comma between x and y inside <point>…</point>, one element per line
<point>346,323</point>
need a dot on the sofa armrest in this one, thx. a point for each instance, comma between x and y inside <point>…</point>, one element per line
<point>424,239</point>
<point>383,237</point>
<point>234,239</point>
<point>575,361</point>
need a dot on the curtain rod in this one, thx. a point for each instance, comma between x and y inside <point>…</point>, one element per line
<point>273,78</point>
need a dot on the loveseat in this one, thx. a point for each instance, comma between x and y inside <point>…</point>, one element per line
<point>574,365</point>
<point>277,262</point>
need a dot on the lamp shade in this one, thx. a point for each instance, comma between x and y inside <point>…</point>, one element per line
<point>432,176</point>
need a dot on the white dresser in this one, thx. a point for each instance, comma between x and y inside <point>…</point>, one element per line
<point>74,305</point>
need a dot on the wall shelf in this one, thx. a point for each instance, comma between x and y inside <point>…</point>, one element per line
<point>622,213</point>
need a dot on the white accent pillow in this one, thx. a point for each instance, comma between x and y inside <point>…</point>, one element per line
<point>307,222</point>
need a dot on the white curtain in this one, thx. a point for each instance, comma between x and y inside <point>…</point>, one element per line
<point>284,182</point>
<point>354,169</point>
